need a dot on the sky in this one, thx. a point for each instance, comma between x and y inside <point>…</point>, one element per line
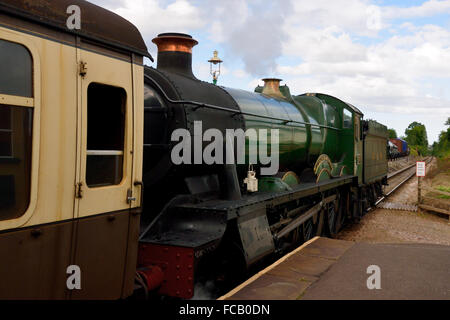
<point>391,59</point>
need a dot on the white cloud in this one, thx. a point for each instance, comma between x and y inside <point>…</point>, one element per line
<point>390,75</point>
<point>339,47</point>
<point>152,17</point>
<point>329,44</point>
<point>357,16</point>
<point>239,73</point>
<point>428,8</point>
<point>252,31</point>
<point>373,18</point>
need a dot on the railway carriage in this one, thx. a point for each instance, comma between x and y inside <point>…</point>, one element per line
<point>85,126</point>
<point>70,150</point>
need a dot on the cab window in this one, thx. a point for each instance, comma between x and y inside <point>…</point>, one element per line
<point>347,123</point>
<point>16,127</point>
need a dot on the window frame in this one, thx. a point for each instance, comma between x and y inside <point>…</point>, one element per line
<point>10,131</point>
<point>94,152</point>
<point>27,41</point>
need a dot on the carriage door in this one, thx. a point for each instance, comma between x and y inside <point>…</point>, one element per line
<point>105,134</point>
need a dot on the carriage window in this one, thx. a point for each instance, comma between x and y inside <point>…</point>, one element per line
<point>105,135</point>
<point>347,119</point>
<point>15,70</point>
<point>16,126</point>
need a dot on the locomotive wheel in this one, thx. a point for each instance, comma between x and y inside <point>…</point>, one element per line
<point>319,226</point>
<point>232,269</point>
<point>296,236</point>
<point>308,230</point>
<point>342,210</point>
<point>332,217</point>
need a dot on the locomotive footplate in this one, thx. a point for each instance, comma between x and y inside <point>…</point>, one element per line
<point>249,203</point>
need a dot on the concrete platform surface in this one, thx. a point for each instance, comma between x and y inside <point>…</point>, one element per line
<point>325,268</point>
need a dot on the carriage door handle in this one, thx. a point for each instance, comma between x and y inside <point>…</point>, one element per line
<point>130,197</point>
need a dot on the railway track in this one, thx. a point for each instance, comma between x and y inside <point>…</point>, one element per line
<point>397,179</point>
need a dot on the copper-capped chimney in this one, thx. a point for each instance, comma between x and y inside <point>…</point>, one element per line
<point>272,87</point>
<point>175,53</point>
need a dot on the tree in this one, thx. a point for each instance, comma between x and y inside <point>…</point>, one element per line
<point>392,133</point>
<point>441,148</point>
<point>416,135</point>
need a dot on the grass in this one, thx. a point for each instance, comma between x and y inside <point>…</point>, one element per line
<point>444,189</point>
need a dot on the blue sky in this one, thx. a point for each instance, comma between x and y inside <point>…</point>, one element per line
<point>389,58</point>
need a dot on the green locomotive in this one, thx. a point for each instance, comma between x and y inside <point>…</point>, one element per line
<point>224,218</point>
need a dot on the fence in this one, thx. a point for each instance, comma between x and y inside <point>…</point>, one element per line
<point>420,199</point>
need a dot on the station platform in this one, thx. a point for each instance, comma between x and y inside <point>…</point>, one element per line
<point>324,268</point>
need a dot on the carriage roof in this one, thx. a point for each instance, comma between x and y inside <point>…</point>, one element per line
<point>97,24</point>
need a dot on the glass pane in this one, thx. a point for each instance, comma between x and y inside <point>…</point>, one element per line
<point>15,70</point>
<point>105,132</point>
<point>347,119</point>
<point>15,170</point>
<point>104,170</point>
<point>5,144</point>
<point>5,118</point>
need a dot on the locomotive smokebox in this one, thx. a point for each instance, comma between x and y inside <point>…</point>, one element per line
<point>175,53</point>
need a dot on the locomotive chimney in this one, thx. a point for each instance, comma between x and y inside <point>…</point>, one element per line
<point>272,87</point>
<point>175,53</point>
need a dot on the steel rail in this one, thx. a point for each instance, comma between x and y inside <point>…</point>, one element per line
<point>428,160</point>
<point>393,174</point>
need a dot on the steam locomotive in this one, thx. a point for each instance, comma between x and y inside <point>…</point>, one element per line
<point>88,176</point>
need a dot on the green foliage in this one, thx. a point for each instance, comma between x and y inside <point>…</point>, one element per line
<point>413,151</point>
<point>393,133</point>
<point>416,136</point>
<point>445,189</point>
<point>442,147</point>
